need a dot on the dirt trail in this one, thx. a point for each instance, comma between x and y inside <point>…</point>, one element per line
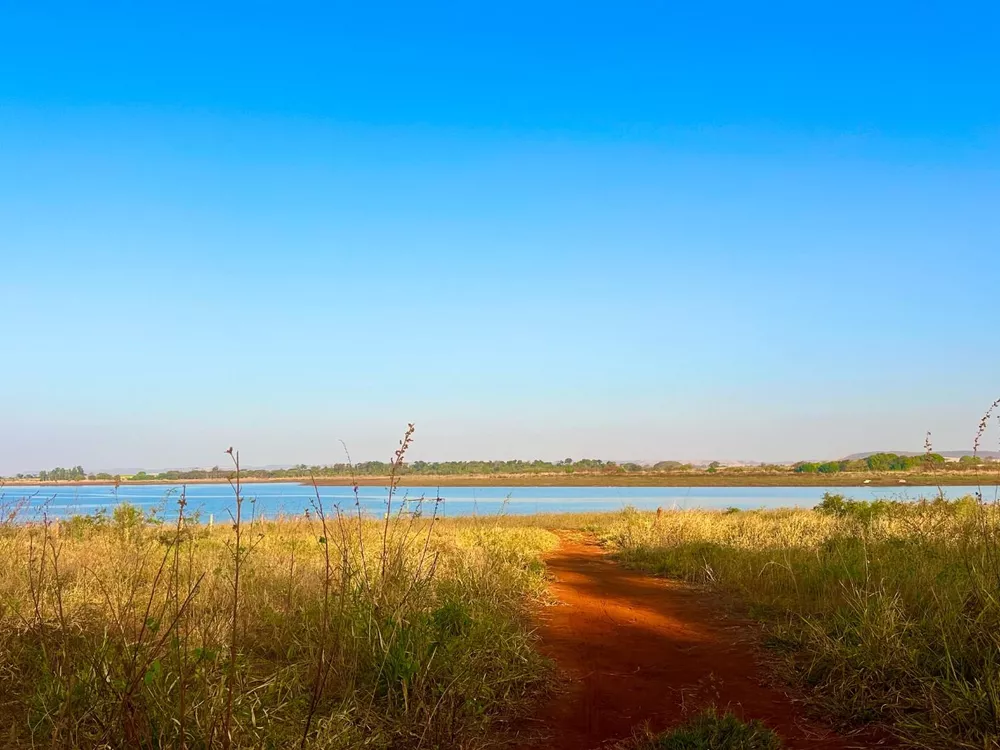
<point>636,648</point>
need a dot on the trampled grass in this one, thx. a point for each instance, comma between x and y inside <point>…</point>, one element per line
<point>889,612</point>
<point>327,631</point>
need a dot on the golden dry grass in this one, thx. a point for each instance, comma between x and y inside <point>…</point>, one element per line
<point>338,632</point>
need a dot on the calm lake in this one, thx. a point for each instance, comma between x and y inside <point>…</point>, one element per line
<point>271,499</point>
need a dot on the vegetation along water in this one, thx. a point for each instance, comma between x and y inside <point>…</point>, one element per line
<point>334,627</point>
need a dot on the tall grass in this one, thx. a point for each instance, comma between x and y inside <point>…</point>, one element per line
<point>890,611</point>
<point>328,630</point>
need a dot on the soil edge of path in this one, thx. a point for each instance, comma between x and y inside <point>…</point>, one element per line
<point>635,650</point>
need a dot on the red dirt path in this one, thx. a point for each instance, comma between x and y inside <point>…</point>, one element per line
<point>637,649</point>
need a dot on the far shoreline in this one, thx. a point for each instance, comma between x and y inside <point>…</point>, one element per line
<point>701,479</point>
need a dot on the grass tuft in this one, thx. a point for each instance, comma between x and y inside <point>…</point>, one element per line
<point>711,730</point>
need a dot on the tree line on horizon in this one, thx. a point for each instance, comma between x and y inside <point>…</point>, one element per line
<point>877,462</point>
<point>376,468</point>
<point>882,462</point>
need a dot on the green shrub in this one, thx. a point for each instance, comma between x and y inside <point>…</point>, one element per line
<point>863,511</point>
<point>78,527</point>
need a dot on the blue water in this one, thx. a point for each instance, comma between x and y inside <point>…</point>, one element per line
<point>271,499</point>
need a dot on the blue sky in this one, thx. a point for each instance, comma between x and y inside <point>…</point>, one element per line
<point>628,230</point>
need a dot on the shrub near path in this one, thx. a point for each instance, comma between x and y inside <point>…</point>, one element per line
<point>710,730</point>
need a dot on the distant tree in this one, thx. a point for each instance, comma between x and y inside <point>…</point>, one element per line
<point>880,461</point>
<point>806,467</point>
<point>829,467</point>
<point>713,467</point>
<point>904,463</point>
<point>932,460</point>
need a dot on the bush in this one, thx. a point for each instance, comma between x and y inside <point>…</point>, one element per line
<point>863,511</point>
<point>78,527</point>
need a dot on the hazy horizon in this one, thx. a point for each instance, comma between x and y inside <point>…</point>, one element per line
<point>562,230</point>
<point>416,454</point>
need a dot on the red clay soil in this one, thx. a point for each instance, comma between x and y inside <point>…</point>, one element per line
<point>636,649</point>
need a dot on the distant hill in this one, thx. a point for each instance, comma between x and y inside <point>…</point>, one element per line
<point>946,454</point>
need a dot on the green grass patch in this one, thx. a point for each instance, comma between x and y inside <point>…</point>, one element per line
<point>711,730</point>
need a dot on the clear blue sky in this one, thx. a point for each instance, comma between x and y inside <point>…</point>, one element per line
<point>621,230</point>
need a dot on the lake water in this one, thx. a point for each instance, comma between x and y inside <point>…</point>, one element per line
<point>292,498</point>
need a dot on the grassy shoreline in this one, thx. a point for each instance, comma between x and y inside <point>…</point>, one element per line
<point>319,631</point>
<point>415,632</point>
<point>722,478</point>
